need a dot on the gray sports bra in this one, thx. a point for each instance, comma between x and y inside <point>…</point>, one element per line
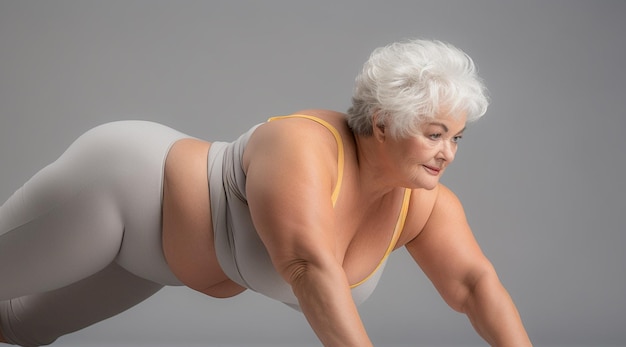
<point>240,251</point>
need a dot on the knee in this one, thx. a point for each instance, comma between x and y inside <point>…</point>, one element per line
<point>18,330</point>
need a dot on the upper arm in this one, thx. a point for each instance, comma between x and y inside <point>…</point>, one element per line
<point>290,175</point>
<point>447,251</point>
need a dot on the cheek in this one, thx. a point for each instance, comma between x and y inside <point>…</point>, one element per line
<point>424,151</point>
<point>415,151</point>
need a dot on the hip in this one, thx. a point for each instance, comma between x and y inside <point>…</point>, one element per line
<point>188,236</point>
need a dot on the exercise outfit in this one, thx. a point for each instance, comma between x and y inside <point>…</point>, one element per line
<point>239,248</point>
<point>81,240</point>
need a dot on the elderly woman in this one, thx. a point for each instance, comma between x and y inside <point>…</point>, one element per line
<point>303,208</point>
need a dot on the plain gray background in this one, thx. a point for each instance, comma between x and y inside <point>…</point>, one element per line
<point>541,175</point>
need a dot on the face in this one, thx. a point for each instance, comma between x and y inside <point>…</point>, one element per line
<point>419,160</point>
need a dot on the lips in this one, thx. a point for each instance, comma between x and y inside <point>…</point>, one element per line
<point>433,170</point>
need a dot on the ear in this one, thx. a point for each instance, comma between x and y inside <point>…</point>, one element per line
<point>378,127</point>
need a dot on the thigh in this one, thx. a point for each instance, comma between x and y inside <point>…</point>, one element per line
<point>140,153</point>
<point>99,202</point>
<point>41,318</point>
<point>55,230</point>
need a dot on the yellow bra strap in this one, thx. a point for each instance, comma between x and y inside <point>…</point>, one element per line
<point>396,235</point>
<point>340,153</point>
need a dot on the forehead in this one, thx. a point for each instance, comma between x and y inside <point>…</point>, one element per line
<point>453,122</point>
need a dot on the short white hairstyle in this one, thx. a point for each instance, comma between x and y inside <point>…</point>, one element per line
<point>410,81</point>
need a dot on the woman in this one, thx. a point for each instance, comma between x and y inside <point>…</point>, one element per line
<point>304,209</point>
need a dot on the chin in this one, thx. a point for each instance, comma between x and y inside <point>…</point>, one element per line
<point>424,185</point>
<point>431,186</point>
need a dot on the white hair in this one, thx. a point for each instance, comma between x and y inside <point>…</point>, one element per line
<point>409,81</point>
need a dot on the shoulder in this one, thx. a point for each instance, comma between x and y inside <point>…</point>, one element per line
<point>290,153</point>
<point>426,208</point>
<point>299,136</point>
<point>327,120</point>
<point>447,203</point>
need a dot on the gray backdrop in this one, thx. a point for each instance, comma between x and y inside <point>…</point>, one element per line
<point>541,175</point>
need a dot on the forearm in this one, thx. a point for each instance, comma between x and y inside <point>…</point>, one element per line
<point>494,315</point>
<point>326,301</point>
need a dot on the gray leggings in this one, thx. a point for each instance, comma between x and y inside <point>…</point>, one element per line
<point>81,240</point>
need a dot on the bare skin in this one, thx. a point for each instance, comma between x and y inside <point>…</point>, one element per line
<point>320,250</point>
<point>187,228</point>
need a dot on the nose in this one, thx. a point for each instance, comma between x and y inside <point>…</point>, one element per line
<point>447,152</point>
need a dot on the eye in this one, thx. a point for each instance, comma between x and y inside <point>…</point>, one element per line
<point>435,136</point>
<point>457,138</point>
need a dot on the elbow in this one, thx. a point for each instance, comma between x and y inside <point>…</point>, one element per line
<point>296,270</point>
<point>464,295</point>
<point>303,273</point>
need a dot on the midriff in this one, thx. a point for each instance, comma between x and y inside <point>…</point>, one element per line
<point>187,227</point>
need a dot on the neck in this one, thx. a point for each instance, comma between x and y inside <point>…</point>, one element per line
<point>373,177</point>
